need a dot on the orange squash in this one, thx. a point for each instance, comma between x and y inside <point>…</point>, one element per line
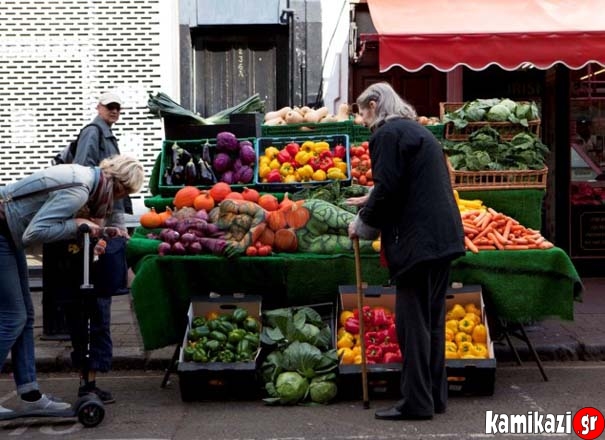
<point>234,195</point>
<point>269,202</point>
<point>151,219</point>
<point>276,220</point>
<point>165,214</point>
<point>297,216</point>
<point>285,241</point>
<point>267,237</point>
<point>185,196</point>
<point>250,194</point>
<point>219,191</point>
<point>286,202</point>
<point>204,201</point>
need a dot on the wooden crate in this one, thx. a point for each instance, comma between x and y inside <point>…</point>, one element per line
<point>505,179</point>
<point>507,130</point>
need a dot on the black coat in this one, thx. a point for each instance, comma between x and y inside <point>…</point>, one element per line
<point>412,202</point>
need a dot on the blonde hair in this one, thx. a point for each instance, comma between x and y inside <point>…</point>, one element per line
<point>388,103</point>
<point>125,170</point>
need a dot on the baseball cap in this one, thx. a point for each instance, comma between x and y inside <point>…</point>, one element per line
<point>109,98</point>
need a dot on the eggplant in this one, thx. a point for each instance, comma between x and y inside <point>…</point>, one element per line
<point>190,173</point>
<point>206,172</point>
<point>178,175</point>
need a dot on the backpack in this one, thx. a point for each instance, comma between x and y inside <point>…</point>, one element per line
<point>69,152</point>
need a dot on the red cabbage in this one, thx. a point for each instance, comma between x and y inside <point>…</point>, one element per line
<point>227,177</point>
<point>247,154</point>
<point>243,175</point>
<point>226,141</point>
<point>221,162</point>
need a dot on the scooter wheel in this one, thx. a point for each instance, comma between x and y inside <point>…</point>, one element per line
<point>91,413</point>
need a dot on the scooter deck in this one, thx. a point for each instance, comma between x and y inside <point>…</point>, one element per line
<point>10,415</point>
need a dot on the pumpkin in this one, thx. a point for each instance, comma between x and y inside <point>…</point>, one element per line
<point>286,202</point>
<point>267,237</point>
<point>285,241</point>
<point>276,220</point>
<point>269,202</point>
<point>219,191</point>
<point>297,216</point>
<point>204,201</point>
<point>185,196</point>
<point>165,214</point>
<point>151,219</point>
<point>251,195</point>
<point>233,195</point>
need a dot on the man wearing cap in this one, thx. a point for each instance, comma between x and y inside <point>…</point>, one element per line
<point>95,143</point>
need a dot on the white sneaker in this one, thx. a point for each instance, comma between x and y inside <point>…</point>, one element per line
<point>45,403</point>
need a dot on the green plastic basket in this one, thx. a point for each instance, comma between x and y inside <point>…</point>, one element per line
<point>437,129</point>
<point>308,129</point>
<point>195,148</point>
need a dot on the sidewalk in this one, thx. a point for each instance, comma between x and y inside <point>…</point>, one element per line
<point>582,339</point>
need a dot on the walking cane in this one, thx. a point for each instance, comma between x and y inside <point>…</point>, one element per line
<point>364,365</point>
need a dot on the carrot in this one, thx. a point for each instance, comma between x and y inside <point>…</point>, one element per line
<point>507,227</point>
<point>500,237</point>
<point>480,218</point>
<point>470,245</point>
<point>482,233</point>
<point>487,247</point>
<point>469,230</point>
<point>486,221</point>
<point>496,242</point>
<point>515,247</point>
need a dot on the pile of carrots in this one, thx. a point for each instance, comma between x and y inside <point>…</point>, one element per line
<point>490,230</point>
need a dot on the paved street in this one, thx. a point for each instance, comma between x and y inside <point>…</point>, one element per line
<point>146,411</point>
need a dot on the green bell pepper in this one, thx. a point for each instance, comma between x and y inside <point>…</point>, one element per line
<point>251,324</point>
<point>188,353</point>
<point>236,335</point>
<point>226,356</point>
<point>239,314</point>
<point>199,355</point>
<point>212,345</point>
<point>218,336</point>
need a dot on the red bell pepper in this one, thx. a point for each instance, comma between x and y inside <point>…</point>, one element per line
<point>292,148</point>
<point>284,156</point>
<point>352,325</point>
<point>325,163</point>
<point>374,354</point>
<point>274,176</point>
<point>392,358</point>
<point>315,163</point>
<point>390,347</point>
<point>380,317</point>
<point>392,331</point>
<point>340,151</point>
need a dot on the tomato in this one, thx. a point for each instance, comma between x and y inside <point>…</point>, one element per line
<point>365,156</point>
<point>366,145</point>
<point>355,161</point>
<point>258,244</point>
<point>355,173</point>
<point>251,251</point>
<point>369,173</point>
<point>265,250</point>
<point>362,180</point>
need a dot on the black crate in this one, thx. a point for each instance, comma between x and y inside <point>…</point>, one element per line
<point>219,380</point>
<point>180,128</point>
<point>263,143</point>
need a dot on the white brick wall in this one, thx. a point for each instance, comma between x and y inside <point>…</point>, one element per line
<point>58,56</point>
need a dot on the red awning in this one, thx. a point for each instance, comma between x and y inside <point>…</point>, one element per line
<point>478,33</point>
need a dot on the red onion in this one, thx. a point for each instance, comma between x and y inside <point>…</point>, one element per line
<point>164,248</point>
<point>178,248</point>
<point>187,238</point>
<point>195,248</point>
<point>201,214</point>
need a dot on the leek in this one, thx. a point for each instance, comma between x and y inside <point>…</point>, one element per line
<point>161,105</point>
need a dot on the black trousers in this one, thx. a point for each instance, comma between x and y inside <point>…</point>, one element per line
<point>420,322</point>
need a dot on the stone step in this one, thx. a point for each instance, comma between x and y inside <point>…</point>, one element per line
<point>35,278</point>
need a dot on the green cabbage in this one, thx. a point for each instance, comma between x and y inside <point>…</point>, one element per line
<point>291,387</point>
<point>322,389</point>
<point>498,113</point>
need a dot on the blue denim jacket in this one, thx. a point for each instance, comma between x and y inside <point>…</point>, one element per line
<point>47,217</point>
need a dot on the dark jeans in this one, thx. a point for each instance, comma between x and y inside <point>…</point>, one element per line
<point>420,322</point>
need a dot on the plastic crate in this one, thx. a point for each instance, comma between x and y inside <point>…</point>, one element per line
<point>437,129</point>
<point>219,380</point>
<point>195,148</point>
<point>361,133</point>
<point>312,129</point>
<point>263,143</point>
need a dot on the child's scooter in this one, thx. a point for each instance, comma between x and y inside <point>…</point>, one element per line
<point>89,409</point>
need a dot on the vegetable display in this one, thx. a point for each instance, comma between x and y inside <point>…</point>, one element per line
<point>465,333</point>
<point>493,110</point>
<point>227,337</point>
<point>300,367</point>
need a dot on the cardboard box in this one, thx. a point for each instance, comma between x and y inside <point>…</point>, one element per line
<point>219,380</point>
<point>465,376</point>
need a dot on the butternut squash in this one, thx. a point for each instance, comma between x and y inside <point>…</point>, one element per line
<point>328,118</point>
<point>275,121</point>
<point>343,112</point>
<point>293,117</point>
<point>316,115</point>
<point>281,113</point>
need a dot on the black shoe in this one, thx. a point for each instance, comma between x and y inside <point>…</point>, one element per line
<point>394,414</point>
<point>105,396</point>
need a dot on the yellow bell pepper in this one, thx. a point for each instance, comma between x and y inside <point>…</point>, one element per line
<point>305,172</point>
<point>449,334</point>
<point>290,178</point>
<point>302,157</point>
<point>319,175</point>
<point>452,324</point>
<point>357,348</point>
<point>321,146</point>
<point>264,160</point>
<point>462,337</point>
<point>464,348</point>
<point>466,326</point>
<point>286,169</point>
<point>335,174</point>
<point>263,170</point>
<point>271,152</point>
<point>308,146</point>
<point>342,166</point>
<point>479,333</point>
<point>357,359</point>
<point>345,340</point>
<point>344,315</point>
<point>457,312</point>
<point>451,350</point>
<point>341,331</point>
<point>346,355</point>
<point>472,317</point>
<point>275,165</point>
<point>472,308</point>
<point>479,351</point>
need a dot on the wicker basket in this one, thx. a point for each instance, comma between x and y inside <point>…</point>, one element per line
<point>507,130</point>
<point>507,179</point>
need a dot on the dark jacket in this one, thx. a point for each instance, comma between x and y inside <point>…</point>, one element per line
<point>412,202</point>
